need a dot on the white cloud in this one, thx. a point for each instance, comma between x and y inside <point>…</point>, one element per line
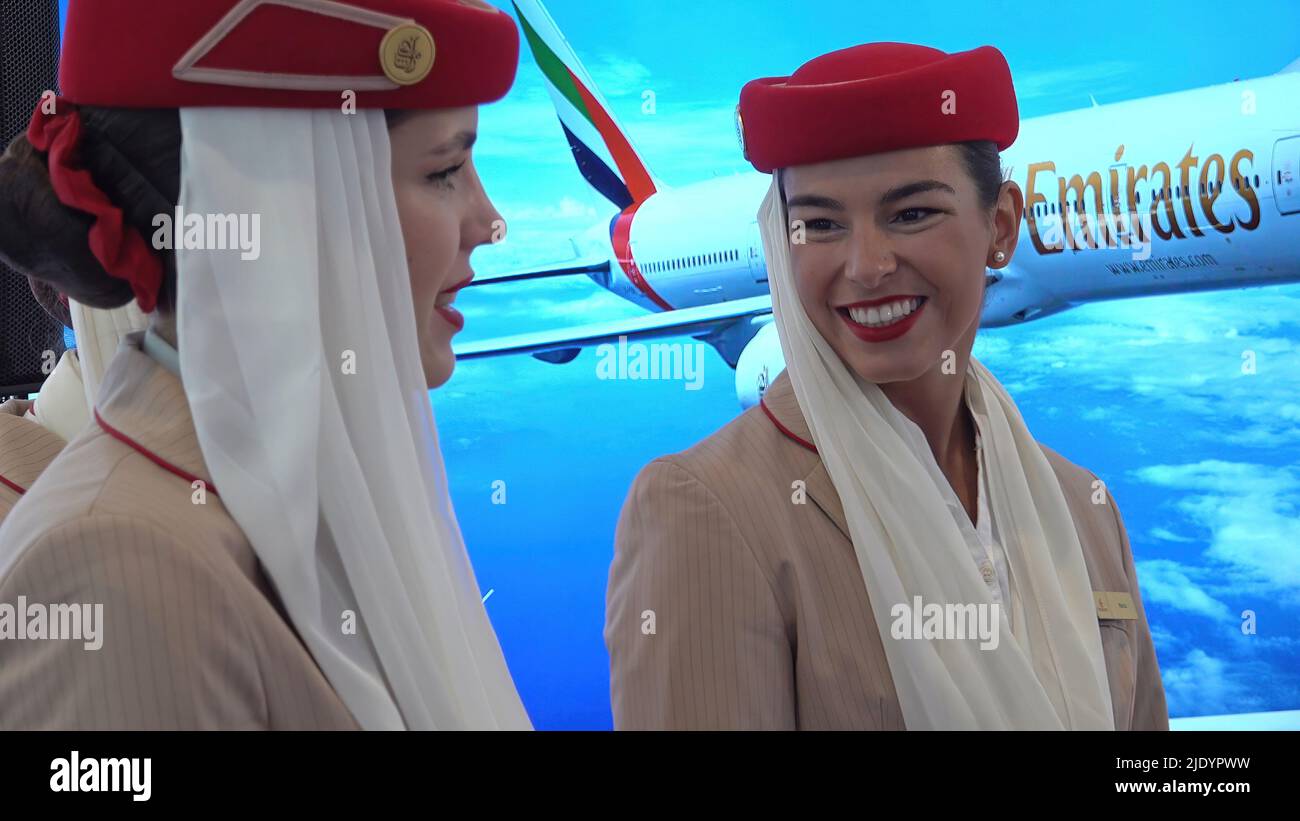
<point>1176,358</point>
<point>1205,685</point>
<point>619,76</point>
<point>1108,81</point>
<point>1168,583</point>
<point>1250,511</point>
<point>1164,534</point>
<point>565,208</point>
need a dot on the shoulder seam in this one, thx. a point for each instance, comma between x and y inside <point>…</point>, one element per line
<point>671,461</point>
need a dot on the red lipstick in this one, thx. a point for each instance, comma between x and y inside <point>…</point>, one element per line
<point>453,289</point>
<point>883,333</point>
<point>454,317</point>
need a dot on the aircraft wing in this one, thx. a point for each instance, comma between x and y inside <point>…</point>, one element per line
<point>562,344</point>
<point>573,267</point>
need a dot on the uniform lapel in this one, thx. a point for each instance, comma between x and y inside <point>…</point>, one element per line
<point>782,408</point>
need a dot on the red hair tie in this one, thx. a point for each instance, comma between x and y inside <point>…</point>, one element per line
<point>118,246</point>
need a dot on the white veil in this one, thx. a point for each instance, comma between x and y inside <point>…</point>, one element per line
<point>335,477</point>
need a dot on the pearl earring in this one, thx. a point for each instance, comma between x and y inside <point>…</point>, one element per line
<point>999,256</point>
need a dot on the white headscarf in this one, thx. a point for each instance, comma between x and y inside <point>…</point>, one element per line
<point>1050,672</point>
<point>335,478</point>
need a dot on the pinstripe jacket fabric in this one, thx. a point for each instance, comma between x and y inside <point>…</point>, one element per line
<point>26,449</point>
<point>732,607</point>
<point>193,635</point>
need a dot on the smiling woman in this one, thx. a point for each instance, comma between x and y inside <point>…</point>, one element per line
<point>886,211</point>
<point>914,208</point>
<point>895,240</point>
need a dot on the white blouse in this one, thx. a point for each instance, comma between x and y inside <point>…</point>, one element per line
<point>981,536</point>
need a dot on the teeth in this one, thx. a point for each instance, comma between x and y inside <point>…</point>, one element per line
<point>878,316</point>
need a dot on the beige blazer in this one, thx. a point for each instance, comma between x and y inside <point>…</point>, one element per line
<point>26,449</point>
<point>194,636</point>
<point>731,607</point>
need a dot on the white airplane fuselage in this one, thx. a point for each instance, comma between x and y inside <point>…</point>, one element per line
<point>1228,154</point>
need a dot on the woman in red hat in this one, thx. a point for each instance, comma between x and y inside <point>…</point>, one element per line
<point>881,544</point>
<point>256,529</point>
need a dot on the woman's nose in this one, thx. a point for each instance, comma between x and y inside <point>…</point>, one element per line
<point>488,225</point>
<point>871,260</point>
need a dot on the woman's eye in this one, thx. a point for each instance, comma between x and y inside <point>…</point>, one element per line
<point>820,224</point>
<point>444,178</point>
<point>920,213</point>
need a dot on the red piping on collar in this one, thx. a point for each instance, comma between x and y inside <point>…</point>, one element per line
<point>151,456</point>
<point>14,486</point>
<point>784,429</point>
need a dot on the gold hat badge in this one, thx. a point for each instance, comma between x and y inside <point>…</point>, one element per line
<point>740,133</point>
<point>407,53</point>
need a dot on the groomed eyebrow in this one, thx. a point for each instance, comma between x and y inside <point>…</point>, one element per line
<point>814,201</point>
<point>920,186</point>
<point>892,195</point>
<point>461,142</point>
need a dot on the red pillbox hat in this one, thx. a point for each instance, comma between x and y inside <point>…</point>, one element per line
<point>414,54</point>
<point>874,98</point>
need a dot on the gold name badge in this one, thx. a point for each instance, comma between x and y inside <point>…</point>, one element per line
<point>407,53</point>
<point>1114,605</point>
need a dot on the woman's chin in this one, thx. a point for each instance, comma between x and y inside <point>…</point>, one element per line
<point>883,370</point>
<point>438,365</point>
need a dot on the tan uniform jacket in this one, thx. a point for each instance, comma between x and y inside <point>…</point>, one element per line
<point>26,449</point>
<point>193,635</point>
<point>759,611</point>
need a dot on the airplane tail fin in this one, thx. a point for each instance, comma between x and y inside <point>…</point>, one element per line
<point>604,153</point>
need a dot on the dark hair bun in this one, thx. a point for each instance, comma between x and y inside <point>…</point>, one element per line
<point>134,157</point>
<point>42,238</point>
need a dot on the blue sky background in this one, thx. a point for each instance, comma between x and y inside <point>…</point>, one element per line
<point>1148,394</point>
